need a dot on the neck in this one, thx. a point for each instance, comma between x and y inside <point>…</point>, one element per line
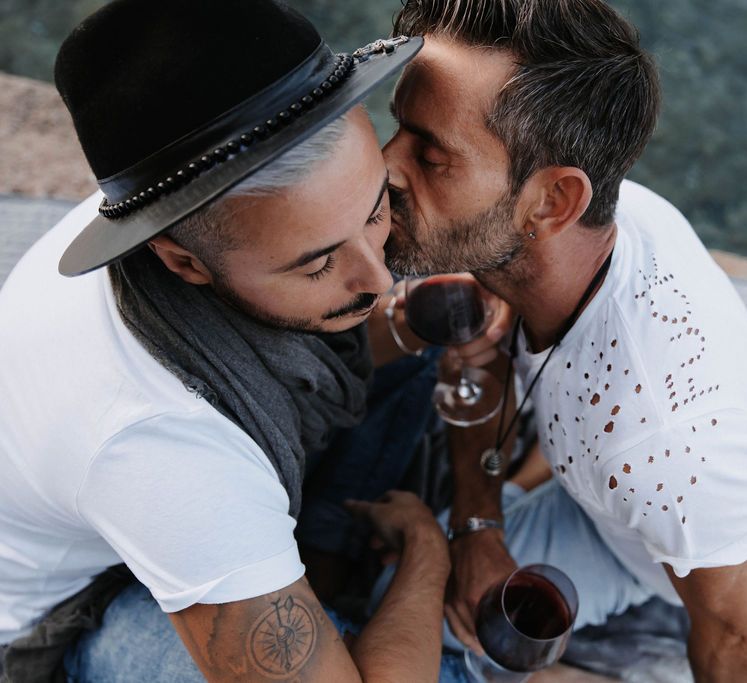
<point>546,287</point>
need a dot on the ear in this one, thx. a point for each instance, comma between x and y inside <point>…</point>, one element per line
<point>558,197</point>
<point>180,261</point>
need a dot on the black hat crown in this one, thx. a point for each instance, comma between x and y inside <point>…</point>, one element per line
<point>140,74</point>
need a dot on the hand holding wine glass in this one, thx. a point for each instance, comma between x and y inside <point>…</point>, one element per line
<point>478,562</point>
<point>484,349</point>
<point>523,625</point>
<point>449,310</point>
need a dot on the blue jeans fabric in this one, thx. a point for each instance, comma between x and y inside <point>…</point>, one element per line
<point>364,462</point>
<point>137,644</point>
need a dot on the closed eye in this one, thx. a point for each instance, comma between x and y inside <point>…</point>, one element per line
<point>378,217</point>
<point>328,265</point>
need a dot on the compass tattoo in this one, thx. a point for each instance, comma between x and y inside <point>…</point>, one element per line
<point>282,638</point>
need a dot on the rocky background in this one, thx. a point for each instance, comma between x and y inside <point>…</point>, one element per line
<point>697,158</point>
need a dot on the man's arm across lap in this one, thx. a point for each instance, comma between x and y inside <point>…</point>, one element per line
<point>286,635</point>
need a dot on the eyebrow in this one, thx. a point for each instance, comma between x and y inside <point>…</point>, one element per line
<point>423,133</point>
<point>309,256</point>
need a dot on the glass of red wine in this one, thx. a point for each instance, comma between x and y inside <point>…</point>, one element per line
<point>523,624</point>
<point>447,310</point>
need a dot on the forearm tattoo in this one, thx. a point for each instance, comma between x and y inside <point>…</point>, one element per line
<point>282,638</point>
<point>274,637</point>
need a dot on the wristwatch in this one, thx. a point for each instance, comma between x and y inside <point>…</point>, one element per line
<point>472,525</point>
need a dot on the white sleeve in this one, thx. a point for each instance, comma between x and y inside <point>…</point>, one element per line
<point>684,490</point>
<point>194,508</point>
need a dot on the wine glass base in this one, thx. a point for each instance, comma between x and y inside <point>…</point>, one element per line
<point>485,670</point>
<point>474,410</point>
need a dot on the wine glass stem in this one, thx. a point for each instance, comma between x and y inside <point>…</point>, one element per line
<point>469,392</point>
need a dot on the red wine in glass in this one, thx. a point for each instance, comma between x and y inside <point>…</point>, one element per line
<point>524,624</point>
<point>446,310</point>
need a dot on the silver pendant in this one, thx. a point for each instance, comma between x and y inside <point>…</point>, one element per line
<point>492,461</point>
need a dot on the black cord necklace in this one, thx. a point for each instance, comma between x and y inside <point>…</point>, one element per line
<point>493,459</point>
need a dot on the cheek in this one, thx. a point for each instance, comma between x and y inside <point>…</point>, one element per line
<point>281,299</point>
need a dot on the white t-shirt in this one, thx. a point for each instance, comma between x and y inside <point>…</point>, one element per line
<point>642,409</point>
<point>105,457</point>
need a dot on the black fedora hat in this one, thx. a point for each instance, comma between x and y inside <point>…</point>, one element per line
<point>176,101</point>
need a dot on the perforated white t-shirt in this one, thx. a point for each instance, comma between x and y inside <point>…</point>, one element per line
<point>642,409</point>
<point>105,457</point>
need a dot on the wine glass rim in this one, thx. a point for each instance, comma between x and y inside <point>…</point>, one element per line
<point>528,569</point>
<point>414,281</point>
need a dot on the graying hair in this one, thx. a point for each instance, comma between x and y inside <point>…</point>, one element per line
<point>210,231</point>
<point>582,92</point>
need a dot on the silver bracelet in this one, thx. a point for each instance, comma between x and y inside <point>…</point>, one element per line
<point>472,525</point>
<point>389,314</point>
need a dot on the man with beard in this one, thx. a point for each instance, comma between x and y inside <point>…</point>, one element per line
<point>158,412</point>
<point>517,124</point>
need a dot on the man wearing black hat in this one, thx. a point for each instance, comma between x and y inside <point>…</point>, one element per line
<point>159,412</point>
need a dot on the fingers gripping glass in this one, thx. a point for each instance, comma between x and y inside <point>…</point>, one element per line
<point>523,625</point>
<point>447,310</point>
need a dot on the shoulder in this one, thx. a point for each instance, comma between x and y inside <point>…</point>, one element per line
<point>682,488</point>
<point>678,320</point>
<point>182,446</point>
<point>194,508</point>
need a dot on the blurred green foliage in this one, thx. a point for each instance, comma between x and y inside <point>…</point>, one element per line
<point>697,159</point>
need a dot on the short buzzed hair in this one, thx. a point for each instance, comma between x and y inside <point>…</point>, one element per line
<point>583,93</point>
<point>210,232</point>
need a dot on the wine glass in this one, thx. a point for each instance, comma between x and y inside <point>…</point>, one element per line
<point>448,310</point>
<point>523,624</point>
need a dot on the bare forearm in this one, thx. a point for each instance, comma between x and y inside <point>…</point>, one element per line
<point>724,661</point>
<point>714,598</point>
<point>402,641</point>
<point>475,493</point>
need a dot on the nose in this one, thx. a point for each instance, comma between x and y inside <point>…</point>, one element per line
<point>370,275</point>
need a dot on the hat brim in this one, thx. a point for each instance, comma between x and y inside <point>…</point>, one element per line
<point>106,240</point>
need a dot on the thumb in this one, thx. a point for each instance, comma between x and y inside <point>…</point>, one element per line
<point>358,508</point>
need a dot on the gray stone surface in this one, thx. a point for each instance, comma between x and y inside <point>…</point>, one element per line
<point>40,156</point>
<point>22,222</point>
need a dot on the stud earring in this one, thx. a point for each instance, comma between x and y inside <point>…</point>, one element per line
<point>532,235</point>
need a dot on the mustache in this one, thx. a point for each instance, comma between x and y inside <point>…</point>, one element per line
<point>361,302</point>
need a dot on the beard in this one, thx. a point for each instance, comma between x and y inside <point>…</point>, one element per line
<point>486,242</point>
<point>228,295</point>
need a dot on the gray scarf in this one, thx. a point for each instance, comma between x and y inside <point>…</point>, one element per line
<point>287,390</point>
